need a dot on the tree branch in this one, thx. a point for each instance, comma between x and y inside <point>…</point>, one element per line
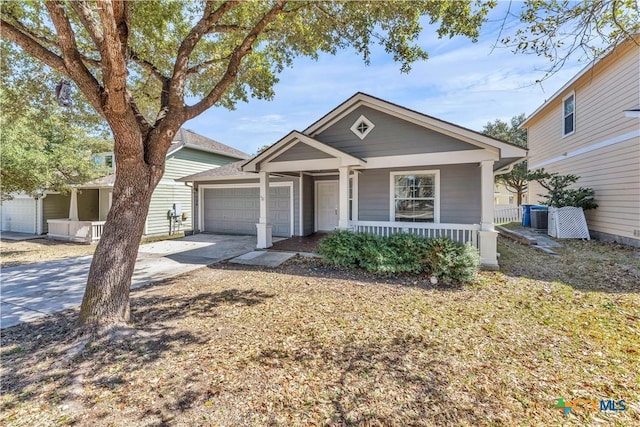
<point>179,78</point>
<point>76,69</point>
<point>234,63</point>
<point>30,44</point>
<point>114,19</point>
<point>84,12</point>
<point>199,67</point>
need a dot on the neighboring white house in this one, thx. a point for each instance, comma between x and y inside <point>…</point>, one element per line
<point>79,216</point>
<point>368,165</point>
<point>591,128</point>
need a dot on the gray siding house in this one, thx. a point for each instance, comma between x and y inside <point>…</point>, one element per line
<point>368,166</point>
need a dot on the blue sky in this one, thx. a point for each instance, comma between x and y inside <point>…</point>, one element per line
<point>462,82</point>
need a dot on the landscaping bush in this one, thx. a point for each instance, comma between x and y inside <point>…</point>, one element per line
<point>442,258</point>
<point>341,248</point>
<point>450,262</point>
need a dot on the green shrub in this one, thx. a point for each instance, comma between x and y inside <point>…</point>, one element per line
<point>341,248</point>
<point>448,261</point>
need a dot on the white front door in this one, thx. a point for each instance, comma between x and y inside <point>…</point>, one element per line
<point>326,205</point>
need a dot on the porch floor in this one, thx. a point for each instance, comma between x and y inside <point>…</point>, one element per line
<point>299,244</point>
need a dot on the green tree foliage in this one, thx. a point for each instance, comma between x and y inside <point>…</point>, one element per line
<point>45,153</point>
<point>517,180</point>
<point>559,29</point>
<point>559,194</point>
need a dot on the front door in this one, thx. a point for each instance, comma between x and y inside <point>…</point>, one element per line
<point>326,205</point>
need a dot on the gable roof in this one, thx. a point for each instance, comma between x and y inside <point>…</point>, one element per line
<point>291,139</point>
<point>507,149</point>
<point>186,138</point>
<point>581,74</point>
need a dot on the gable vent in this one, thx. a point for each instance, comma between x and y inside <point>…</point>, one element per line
<point>362,127</point>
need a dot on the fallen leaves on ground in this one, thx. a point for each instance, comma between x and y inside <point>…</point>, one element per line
<point>308,344</point>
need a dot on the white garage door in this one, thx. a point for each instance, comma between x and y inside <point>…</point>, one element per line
<point>237,210</point>
<point>19,215</point>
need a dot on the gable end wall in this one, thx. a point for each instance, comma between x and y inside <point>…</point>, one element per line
<point>390,136</point>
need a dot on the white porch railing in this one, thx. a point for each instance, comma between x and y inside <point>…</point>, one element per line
<point>75,231</point>
<point>507,213</point>
<point>464,233</point>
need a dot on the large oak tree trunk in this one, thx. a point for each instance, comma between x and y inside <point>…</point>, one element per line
<point>106,297</point>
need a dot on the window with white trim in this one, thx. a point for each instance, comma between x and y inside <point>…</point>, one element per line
<point>569,115</point>
<point>104,160</point>
<point>414,196</point>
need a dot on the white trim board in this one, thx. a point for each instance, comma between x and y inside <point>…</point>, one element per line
<point>606,143</point>
<point>245,185</point>
<point>430,159</point>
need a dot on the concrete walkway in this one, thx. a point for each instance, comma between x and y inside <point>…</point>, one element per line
<point>34,290</point>
<point>533,238</point>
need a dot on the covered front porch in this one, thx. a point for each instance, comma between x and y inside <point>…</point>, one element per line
<point>340,191</point>
<point>88,209</point>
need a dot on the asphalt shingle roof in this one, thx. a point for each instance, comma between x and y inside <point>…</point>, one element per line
<point>231,169</point>
<point>186,136</point>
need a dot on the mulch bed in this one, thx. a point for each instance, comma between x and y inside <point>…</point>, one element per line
<point>299,244</point>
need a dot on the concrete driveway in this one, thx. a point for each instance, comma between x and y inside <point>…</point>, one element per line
<point>35,290</point>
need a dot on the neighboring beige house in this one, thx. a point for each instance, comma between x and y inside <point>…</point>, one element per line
<point>591,128</point>
<point>502,196</point>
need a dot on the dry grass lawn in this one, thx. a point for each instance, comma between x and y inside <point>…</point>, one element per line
<point>306,344</point>
<point>14,253</point>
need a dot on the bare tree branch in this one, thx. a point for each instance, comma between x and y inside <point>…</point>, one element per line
<point>234,63</point>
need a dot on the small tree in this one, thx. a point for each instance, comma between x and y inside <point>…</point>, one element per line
<point>559,194</point>
<point>517,180</point>
<point>45,153</point>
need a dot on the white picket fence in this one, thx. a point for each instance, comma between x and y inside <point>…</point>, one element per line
<point>507,213</point>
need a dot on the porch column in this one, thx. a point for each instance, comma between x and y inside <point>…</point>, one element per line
<point>263,225</point>
<point>488,238</point>
<point>343,198</point>
<point>73,206</point>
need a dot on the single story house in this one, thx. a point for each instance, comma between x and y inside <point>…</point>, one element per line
<point>80,215</point>
<point>368,165</point>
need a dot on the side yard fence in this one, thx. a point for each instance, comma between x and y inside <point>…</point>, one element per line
<point>507,213</point>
